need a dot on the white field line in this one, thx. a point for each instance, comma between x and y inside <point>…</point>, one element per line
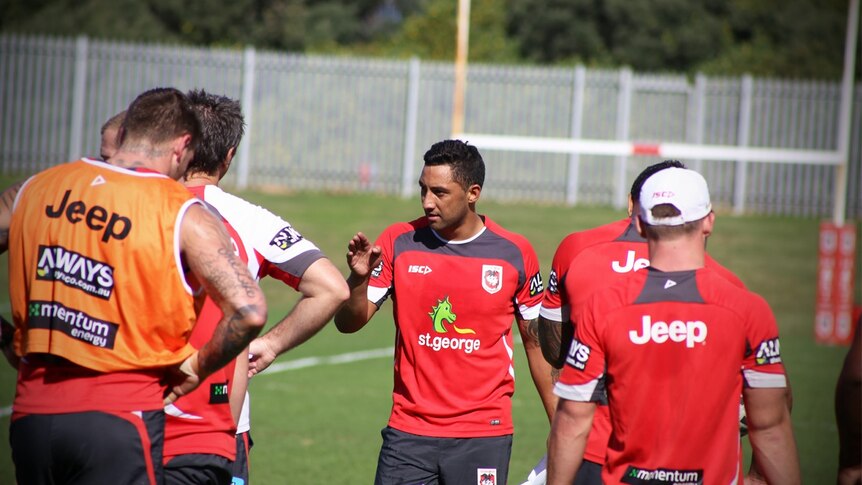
<point>308,362</point>
<point>301,364</point>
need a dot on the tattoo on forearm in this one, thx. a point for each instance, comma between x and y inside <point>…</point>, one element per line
<point>533,330</point>
<point>231,336</point>
<point>555,339</point>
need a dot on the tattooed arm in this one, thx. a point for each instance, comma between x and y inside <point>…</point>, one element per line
<point>540,370</point>
<point>555,339</point>
<point>207,250</point>
<point>7,198</point>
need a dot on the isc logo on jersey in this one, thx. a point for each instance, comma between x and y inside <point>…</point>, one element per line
<point>578,356</point>
<point>418,268</point>
<point>631,264</point>
<point>690,332</point>
<point>56,263</point>
<point>285,238</point>
<point>768,352</point>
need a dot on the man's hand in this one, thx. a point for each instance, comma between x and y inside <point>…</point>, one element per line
<point>362,256</point>
<point>7,333</point>
<point>260,356</point>
<point>183,379</point>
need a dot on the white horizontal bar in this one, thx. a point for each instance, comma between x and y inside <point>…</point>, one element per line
<point>662,150</point>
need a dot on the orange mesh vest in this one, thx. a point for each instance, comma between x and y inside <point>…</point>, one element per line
<point>94,267</point>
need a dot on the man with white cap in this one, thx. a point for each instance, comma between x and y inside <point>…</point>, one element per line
<point>675,345</point>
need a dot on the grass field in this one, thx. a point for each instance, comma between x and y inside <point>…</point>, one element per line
<point>320,423</point>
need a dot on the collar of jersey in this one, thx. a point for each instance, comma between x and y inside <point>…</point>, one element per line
<point>460,241</point>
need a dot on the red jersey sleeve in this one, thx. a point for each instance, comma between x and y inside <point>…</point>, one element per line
<point>762,367</point>
<point>581,379</point>
<point>381,282</point>
<point>529,297</point>
<point>555,304</point>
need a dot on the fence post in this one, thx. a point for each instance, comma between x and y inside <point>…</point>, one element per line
<point>248,79</point>
<point>699,115</point>
<point>408,176</point>
<point>79,92</point>
<point>624,108</point>
<point>578,89</point>
<point>741,176</point>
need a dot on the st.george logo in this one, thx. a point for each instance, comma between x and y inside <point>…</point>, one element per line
<point>492,278</point>
<point>442,312</point>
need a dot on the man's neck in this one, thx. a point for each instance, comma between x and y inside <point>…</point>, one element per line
<point>679,254</point>
<point>156,161</point>
<point>198,179</point>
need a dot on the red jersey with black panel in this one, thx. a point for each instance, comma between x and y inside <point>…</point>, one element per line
<point>585,262</point>
<point>698,338</point>
<point>454,306</point>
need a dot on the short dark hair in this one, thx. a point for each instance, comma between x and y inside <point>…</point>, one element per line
<point>114,122</point>
<point>648,172</point>
<point>158,116</point>
<point>658,233</point>
<point>467,165</point>
<point>222,128</point>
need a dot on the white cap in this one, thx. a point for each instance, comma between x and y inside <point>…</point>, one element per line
<point>682,188</point>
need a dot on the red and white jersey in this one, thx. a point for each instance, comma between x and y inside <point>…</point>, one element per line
<point>201,421</point>
<point>683,343</point>
<point>454,306</point>
<point>274,247</point>
<point>590,260</point>
<point>271,247</point>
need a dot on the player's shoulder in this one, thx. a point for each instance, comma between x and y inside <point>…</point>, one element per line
<point>579,241</point>
<point>229,203</point>
<point>621,293</point>
<point>396,229</point>
<point>517,239</point>
<point>727,274</point>
<point>717,289</point>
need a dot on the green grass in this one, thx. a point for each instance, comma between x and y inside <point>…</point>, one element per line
<point>321,424</point>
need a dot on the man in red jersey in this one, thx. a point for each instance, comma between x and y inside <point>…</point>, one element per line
<point>848,413</point>
<point>102,305</point>
<point>457,280</point>
<point>211,426</point>
<point>584,262</point>
<point>699,338</point>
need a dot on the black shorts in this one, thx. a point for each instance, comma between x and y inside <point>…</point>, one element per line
<point>411,459</point>
<point>240,465</point>
<point>89,447</point>
<point>590,473</point>
<point>198,469</point>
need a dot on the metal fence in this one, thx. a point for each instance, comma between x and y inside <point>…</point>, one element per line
<point>333,123</point>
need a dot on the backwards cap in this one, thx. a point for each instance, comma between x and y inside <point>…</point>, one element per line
<point>682,188</point>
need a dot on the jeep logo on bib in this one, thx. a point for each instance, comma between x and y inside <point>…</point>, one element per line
<point>96,218</point>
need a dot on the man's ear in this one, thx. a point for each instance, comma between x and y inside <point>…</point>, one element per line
<point>639,225</point>
<point>708,224</point>
<point>225,164</point>
<point>473,193</point>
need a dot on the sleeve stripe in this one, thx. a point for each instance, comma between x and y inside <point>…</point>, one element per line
<point>582,392</point>
<point>755,379</point>
<point>554,314</point>
<point>376,295</point>
<point>529,312</point>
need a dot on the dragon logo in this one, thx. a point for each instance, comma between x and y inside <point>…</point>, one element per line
<point>442,312</point>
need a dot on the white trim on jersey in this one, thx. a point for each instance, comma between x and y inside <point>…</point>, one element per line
<point>177,253</point>
<point>127,171</point>
<point>376,294</point>
<point>552,314</point>
<point>583,392</point>
<point>529,312</point>
<point>759,380</point>
<point>459,241</point>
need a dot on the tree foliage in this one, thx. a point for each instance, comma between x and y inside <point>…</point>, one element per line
<point>787,38</point>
